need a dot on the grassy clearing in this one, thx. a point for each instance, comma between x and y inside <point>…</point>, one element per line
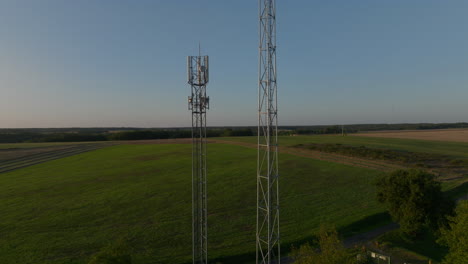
<point>65,210</point>
<point>453,149</point>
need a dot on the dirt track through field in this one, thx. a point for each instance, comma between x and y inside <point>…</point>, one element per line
<point>356,162</point>
<point>453,135</point>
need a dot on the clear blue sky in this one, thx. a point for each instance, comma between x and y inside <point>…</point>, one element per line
<point>123,63</point>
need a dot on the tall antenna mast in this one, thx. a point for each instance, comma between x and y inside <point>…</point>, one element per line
<point>268,233</point>
<point>198,103</point>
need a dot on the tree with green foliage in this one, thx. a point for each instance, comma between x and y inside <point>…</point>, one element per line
<point>414,199</point>
<point>455,236</point>
<point>331,250</point>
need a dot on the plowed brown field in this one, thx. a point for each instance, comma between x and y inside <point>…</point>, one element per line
<point>456,135</point>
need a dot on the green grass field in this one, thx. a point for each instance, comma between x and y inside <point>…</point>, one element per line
<point>454,149</point>
<point>65,210</point>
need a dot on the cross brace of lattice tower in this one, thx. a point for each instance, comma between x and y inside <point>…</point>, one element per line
<point>268,230</point>
<point>198,103</point>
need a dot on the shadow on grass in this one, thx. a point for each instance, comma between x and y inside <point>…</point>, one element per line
<point>425,244</point>
<point>425,247</point>
<point>366,224</point>
<point>458,192</point>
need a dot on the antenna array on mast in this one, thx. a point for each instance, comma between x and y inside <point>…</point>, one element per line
<point>198,103</point>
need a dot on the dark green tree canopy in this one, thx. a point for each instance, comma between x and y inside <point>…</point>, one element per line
<point>414,199</point>
<point>331,250</point>
<point>455,236</point>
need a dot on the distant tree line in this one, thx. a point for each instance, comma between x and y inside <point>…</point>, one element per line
<point>338,129</point>
<point>81,135</point>
<point>128,133</point>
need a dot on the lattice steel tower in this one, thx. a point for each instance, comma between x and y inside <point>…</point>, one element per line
<point>268,233</point>
<point>198,103</point>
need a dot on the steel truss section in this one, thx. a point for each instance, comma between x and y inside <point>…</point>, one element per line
<point>267,232</point>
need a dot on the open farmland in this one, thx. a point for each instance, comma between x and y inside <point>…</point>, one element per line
<point>453,135</point>
<point>39,145</point>
<point>24,155</point>
<point>453,149</point>
<point>64,210</point>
